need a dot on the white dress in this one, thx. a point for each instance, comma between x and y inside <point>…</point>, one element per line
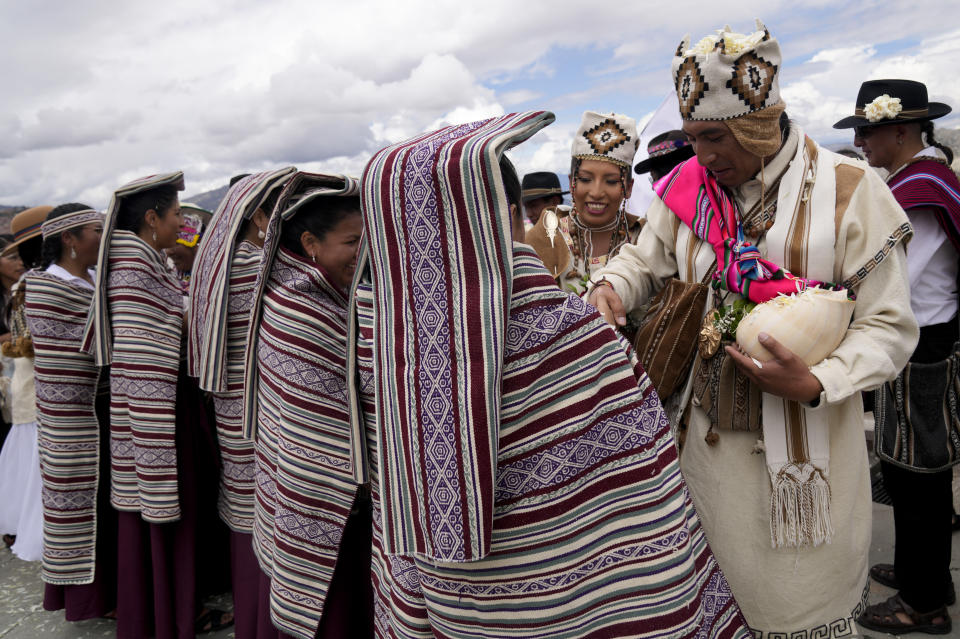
<point>21,508</point>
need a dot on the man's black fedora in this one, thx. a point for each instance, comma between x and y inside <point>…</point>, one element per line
<point>540,184</point>
<point>914,105</point>
<point>667,150</point>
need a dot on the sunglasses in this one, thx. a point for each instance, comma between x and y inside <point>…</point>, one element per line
<point>864,132</point>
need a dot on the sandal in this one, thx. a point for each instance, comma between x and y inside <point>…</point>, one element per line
<point>883,617</point>
<point>884,574</point>
<point>213,620</point>
<point>9,540</point>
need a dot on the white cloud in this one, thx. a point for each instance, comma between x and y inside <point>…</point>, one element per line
<point>824,90</point>
<point>100,92</point>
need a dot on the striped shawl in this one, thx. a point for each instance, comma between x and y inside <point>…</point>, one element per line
<point>145,303</point>
<point>525,481</point>
<point>593,530</point>
<point>135,326</point>
<point>296,405</point>
<point>928,183</point>
<point>438,226</point>
<point>66,383</point>
<point>211,285</point>
<point>221,293</point>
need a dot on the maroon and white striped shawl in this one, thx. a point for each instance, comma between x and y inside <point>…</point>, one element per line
<point>135,326</point>
<point>307,468</point>
<point>221,294</point>
<point>69,431</point>
<point>525,482</point>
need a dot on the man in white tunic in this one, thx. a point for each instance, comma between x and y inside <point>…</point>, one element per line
<point>774,456</point>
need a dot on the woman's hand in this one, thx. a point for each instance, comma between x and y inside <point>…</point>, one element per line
<point>786,375</point>
<point>606,300</point>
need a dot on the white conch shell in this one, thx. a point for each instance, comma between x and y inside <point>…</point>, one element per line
<point>551,223</point>
<point>811,324</point>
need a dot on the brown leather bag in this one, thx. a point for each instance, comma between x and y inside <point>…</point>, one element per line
<point>667,339</point>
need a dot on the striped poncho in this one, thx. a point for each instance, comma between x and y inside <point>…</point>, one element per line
<point>524,477</point>
<point>296,405</point>
<point>928,183</point>
<point>69,432</point>
<point>221,292</point>
<point>135,326</point>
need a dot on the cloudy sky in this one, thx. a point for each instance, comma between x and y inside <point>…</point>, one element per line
<point>98,92</point>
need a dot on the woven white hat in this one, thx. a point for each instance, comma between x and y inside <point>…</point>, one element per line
<point>609,137</point>
<point>727,75</point>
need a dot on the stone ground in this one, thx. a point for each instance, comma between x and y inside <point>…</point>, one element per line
<point>22,615</point>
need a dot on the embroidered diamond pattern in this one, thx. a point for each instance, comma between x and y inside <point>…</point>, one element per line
<point>606,136</point>
<point>691,86</point>
<point>752,80</point>
<point>434,377</point>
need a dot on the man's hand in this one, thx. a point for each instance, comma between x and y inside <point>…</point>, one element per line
<point>786,375</point>
<point>609,304</point>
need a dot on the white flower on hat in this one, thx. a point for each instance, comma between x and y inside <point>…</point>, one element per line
<point>883,107</point>
<point>705,46</point>
<point>733,43</point>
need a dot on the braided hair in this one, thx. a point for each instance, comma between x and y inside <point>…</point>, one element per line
<point>926,127</point>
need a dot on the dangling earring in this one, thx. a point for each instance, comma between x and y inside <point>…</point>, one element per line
<point>73,253</point>
<point>154,236</point>
<point>261,235</point>
<point>314,257</point>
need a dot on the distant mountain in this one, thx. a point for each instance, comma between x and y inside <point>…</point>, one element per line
<point>209,200</point>
<point>6,214</point>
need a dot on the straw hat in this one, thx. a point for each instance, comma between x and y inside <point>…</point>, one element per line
<point>25,225</point>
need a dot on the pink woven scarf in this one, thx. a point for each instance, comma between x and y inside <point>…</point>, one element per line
<point>698,200</point>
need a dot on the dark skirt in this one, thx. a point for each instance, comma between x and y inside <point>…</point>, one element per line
<point>348,609</point>
<point>167,569</point>
<point>99,598</point>
<point>251,591</point>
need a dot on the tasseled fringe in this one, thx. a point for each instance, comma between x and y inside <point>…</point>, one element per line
<point>800,508</point>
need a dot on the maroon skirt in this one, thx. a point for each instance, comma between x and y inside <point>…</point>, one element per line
<point>165,570</point>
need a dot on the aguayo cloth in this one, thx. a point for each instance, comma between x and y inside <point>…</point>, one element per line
<point>695,196</point>
<point>69,432</point>
<point>930,184</point>
<point>523,474</point>
<point>296,406</point>
<point>135,326</point>
<point>849,215</point>
<point>221,289</point>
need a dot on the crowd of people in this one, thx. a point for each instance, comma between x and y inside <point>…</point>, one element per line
<point>436,401</point>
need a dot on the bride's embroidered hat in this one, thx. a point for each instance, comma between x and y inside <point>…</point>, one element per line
<point>727,75</point>
<point>611,138</point>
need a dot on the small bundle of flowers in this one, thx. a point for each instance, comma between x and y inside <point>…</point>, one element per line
<point>883,107</point>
